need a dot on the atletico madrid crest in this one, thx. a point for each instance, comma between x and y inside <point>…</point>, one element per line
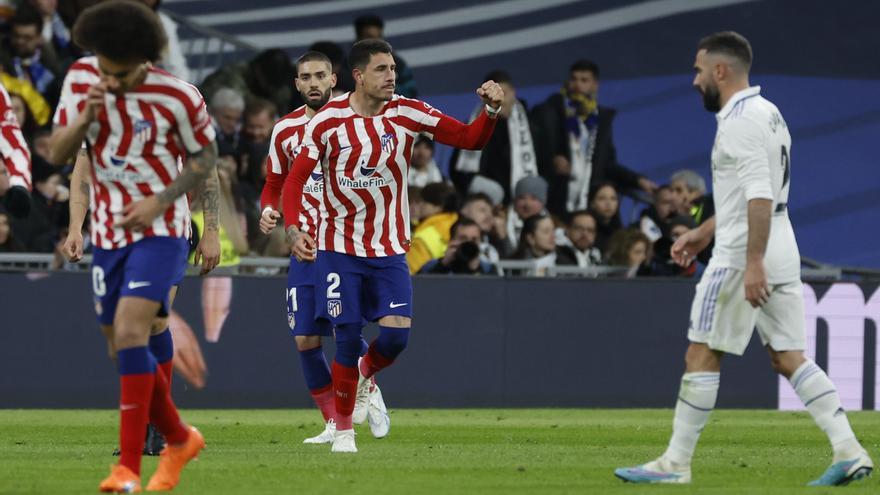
<point>387,142</point>
<point>291,320</point>
<point>334,308</point>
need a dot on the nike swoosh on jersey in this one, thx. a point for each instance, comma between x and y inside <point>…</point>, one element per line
<point>397,305</point>
<point>137,285</point>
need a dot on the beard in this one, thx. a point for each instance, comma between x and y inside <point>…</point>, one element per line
<point>317,104</point>
<point>711,99</point>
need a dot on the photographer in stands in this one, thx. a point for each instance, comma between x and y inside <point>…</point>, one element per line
<point>462,253</point>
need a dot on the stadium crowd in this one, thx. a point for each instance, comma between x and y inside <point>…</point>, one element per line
<point>546,188</point>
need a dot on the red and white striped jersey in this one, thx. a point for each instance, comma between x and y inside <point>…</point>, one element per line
<point>137,145</point>
<point>286,139</point>
<point>366,161</point>
<point>13,149</point>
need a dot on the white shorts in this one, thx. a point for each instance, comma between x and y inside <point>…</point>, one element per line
<point>722,318</point>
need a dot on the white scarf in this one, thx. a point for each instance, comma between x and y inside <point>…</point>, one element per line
<point>582,148</point>
<point>522,151</point>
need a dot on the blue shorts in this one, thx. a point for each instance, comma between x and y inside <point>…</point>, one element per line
<point>350,289</point>
<point>148,268</point>
<point>301,301</point>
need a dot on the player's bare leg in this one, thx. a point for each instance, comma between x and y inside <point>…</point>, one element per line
<point>696,399</point>
<point>851,462</point>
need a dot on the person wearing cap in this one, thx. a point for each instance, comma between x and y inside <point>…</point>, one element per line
<point>430,238</point>
<point>529,199</point>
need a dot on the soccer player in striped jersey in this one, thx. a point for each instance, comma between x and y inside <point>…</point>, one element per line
<point>363,141</point>
<point>753,276</point>
<point>16,158</point>
<point>314,81</point>
<point>138,122</point>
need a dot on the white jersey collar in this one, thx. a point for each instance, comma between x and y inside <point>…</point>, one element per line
<point>736,98</point>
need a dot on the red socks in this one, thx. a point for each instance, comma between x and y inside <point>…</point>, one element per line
<point>326,401</point>
<point>136,391</point>
<point>373,362</point>
<point>345,381</point>
<point>163,413</point>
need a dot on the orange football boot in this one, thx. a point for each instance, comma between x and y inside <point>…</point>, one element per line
<point>121,480</point>
<point>173,459</point>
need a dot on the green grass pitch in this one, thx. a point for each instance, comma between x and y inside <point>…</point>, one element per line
<point>436,451</point>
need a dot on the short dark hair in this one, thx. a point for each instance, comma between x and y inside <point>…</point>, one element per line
<point>121,30</point>
<point>365,21</point>
<point>256,106</point>
<point>474,197</point>
<point>729,43</point>
<point>580,213</point>
<point>27,16</point>
<point>499,76</point>
<point>584,65</point>
<point>424,140</point>
<point>462,221</point>
<point>364,49</point>
<point>440,194</point>
<point>313,56</point>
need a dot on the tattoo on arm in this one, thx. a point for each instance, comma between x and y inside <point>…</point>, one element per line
<point>210,198</point>
<point>199,167</point>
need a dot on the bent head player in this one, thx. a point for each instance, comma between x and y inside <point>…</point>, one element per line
<point>753,276</point>
<point>138,123</point>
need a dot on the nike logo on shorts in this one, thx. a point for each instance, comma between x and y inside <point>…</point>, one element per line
<point>137,285</point>
<point>393,305</point>
<point>127,407</point>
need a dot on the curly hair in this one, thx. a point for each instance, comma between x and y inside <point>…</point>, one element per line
<point>124,31</point>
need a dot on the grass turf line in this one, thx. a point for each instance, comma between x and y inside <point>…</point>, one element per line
<point>436,451</point>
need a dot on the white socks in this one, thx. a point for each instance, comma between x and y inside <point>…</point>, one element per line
<point>696,399</point>
<point>820,398</point>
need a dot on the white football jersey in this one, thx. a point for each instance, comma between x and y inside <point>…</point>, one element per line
<point>751,159</point>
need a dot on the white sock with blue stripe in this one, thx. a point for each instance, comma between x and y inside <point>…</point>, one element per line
<point>696,399</point>
<point>821,399</point>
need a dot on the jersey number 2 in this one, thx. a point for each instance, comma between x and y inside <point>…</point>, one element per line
<point>334,280</point>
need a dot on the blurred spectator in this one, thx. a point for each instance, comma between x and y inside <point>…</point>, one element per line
<point>8,242</point>
<point>371,27</point>
<point>37,105</point>
<point>41,229</point>
<point>55,31</point>
<point>694,201</point>
<point>492,189</point>
<point>173,60</point>
<point>423,169</point>
<point>26,56</point>
<point>578,246</point>
<point>429,240</point>
<point>462,256</point>
<point>575,145</point>
<point>339,60</point>
<point>605,207</point>
<point>259,117</point>
<point>267,75</point>
<point>414,198</point>
<point>689,187</point>
<point>662,263</point>
<point>227,108</point>
<point>478,207</point>
<point>26,121</point>
<point>537,238</point>
<point>630,248</point>
<point>654,221</point>
<point>529,199</point>
<point>509,155</point>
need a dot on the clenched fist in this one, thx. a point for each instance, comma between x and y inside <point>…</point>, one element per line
<point>491,94</point>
